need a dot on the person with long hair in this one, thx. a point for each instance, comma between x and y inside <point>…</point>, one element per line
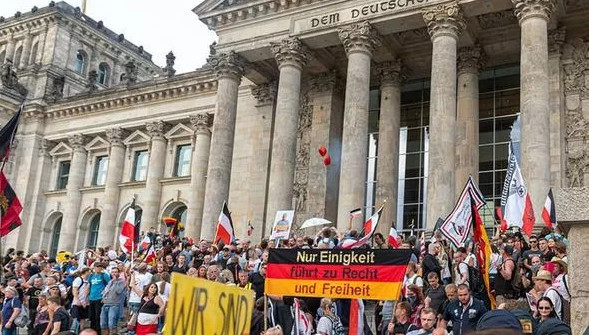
<point>151,308</point>
<point>545,309</point>
<point>202,272</point>
<point>41,317</point>
<point>164,287</point>
<point>415,298</point>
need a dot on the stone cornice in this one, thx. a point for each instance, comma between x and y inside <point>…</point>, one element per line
<point>22,25</point>
<point>525,9</point>
<point>444,19</point>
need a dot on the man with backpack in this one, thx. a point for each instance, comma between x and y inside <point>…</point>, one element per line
<point>98,281</point>
<point>330,323</point>
<point>10,311</point>
<point>507,279</point>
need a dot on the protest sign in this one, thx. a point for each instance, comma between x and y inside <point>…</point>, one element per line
<point>333,273</point>
<point>282,224</point>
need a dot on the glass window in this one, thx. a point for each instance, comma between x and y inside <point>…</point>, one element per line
<point>63,175</point>
<point>182,166</point>
<point>103,74</point>
<point>80,63</point>
<point>55,238</point>
<point>100,170</point>
<point>140,166</point>
<point>93,232</point>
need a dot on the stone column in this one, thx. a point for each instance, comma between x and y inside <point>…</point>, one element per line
<point>291,57</point>
<point>533,16</point>
<point>114,176</point>
<point>229,70</point>
<point>10,49</point>
<point>444,23</point>
<point>73,201</point>
<point>26,51</point>
<point>359,40</point>
<point>155,172</point>
<point>556,39</point>
<point>467,117</point>
<point>40,47</point>
<point>387,166</point>
<point>198,173</point>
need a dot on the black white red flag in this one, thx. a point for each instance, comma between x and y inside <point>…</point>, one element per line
<point>224,230</point>
<point>549,210</point>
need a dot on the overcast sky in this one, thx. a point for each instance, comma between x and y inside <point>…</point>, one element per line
<point>158,25</point>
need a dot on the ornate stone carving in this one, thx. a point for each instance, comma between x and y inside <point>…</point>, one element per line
<point>326,82</point>
<point>556,38</point>
<point>575,172</point>
<point>446,19</point>
<point>265,94</point>
<point>301,182</point>
<point>116,135</point>
<point>576,68</point>
<point>45,147</point>
<point>290,51</point>
<point>56,89</point>
<point>77,141</point>
<point>201,123</point>
<point>169,69</point>
<point>497,19</point>
<point>91,82</point>
<point>470,59</point>
<point>359,37</point>
<point>9,78</point>
<point>525,9</point>
<point>390,73</point>
<point>413,36</point>
<point>229,65</point>
<point>130,75</point>
<point>576,126</point>
<point>155,129</point>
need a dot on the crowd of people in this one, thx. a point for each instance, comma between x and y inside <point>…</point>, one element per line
<point>103,292</point>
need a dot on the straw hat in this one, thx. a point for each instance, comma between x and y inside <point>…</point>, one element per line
<point>543,275</point>
<point>561,262</point>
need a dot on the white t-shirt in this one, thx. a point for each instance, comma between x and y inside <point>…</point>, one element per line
<point>324,326</point>
<point>83,290</point>
<point>166,294</point>
<point>142,280</point>
<point>462,269</point>
<point>413,280</point>
<point>558,284</point>
<point>556,301</point>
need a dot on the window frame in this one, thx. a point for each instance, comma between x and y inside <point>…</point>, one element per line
<point>80,65</point>
<point>188,162</point>
<point>136,155</point>
<point>60,176</point>
<point>55,235</point>
<point>104,74</point>
<point>95,172</point>
<point>93,230</point>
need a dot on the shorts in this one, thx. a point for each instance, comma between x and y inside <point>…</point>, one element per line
<point>79,312</point>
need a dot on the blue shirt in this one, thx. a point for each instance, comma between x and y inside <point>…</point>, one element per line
<point>464,319</point>
<point>8,308</point>
<point>98,282</point>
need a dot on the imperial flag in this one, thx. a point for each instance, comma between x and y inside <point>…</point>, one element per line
<point>10,207</point>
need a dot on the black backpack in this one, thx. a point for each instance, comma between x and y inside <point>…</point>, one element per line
<point>475,280</point>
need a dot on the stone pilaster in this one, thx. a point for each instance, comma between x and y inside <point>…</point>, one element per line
<point>444,24</point>
<point>470,62</point>
<point>390,77</point>
<point>533,16</point>
<point>114,176</point>
<point>26,51</point>
<point>229,69</point>
<point>69,227</point>
<point>155,172</point>
<point>40,47</point>
<point>359,40</point>
<point>198,173</point>
<point>10,48</point>
<point>291,57</point>
<point>556,39</point>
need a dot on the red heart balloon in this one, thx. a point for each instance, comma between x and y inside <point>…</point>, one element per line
<point>326,160</point>
<point>322,151</point>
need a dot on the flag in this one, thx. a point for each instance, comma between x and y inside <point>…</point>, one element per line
<point>150,256</point>
<point>516,204</point>
<point>10,206</point>
<point>501,220</point>
<point>422,249</point>
<point>549,210</point>
<point>372,222</point>
<point>483,249</point>
<point>356,317</point>
<point>224,230</point>
<point>457,225</point>
<point>250,229</point>
<point>393,242</point>
<point>356,213</point>
<point>7,134</point>
<point>302,324</point>
<point>145,243</point>
<point>127,237</point>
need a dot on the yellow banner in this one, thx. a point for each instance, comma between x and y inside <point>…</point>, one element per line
<point>201,307</point>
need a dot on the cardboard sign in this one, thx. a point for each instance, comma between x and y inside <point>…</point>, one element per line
<point>332,273</point>
<point>201,307</point>
<point>282,224</point>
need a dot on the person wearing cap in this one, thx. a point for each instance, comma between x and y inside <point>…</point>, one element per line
<point>499,319</point>
<point>10,310</point>
<point>543,287</point>
<point>98,281</point>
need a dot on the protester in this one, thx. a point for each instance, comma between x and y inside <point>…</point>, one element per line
<point>464,313</point>
<point>10,310</point>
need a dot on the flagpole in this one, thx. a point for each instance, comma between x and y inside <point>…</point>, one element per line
<point>265,312</point>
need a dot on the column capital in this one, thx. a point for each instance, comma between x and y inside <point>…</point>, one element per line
<point>524,9</point>
<point>390,73</point>
<point>470,59</point>
<point>359,37</point>
<point>201,123</point>
<point>445,19</point>
<point>556,39</point>
<point>77,141</point>
<point>155,129</point>
<point>265,94</point>
<point>326,82</point>
<point>290,51</point>
<point>227,65</point>
<point>45,147</point>
<point>115,136</point>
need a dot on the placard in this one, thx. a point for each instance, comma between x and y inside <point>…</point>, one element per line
<point>282,224</point>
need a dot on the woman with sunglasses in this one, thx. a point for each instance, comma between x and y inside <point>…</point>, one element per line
<point>545,309</point>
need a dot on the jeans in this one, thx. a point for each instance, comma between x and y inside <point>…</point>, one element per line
<point>109,316</point>
<point>11,331</point>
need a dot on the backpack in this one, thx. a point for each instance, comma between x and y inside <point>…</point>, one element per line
<point>337,328</point>
<point>516,279</point>
<point>22,320</point>
<point>475,280</point>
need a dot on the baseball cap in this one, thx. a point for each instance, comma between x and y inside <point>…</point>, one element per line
<point>499,319</point>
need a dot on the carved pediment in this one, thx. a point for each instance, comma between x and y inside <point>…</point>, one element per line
<point>179,131</point>
<point>61,149</point>
<point>97,144</point>
<point>136,138</point>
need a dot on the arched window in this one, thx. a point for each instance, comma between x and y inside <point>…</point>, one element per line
<point>17,56</point>
<point>80,63</point>
<point>33,58</point>
<point>2,56</point>
<point>180,214</point>
<point>93,232</point>
<point>55,238</point>
<point>103,74</point>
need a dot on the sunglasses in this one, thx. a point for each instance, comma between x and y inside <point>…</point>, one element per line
<point>544,308</point>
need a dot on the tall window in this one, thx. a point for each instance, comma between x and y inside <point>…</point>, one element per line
<point>55,238</point>
<point>140,166</point>
<point>80,63</point>
<point>103,74</point>
<point>63,174</point>
<point>93,232</point>
<point>33,56</point>
<point>373,117</point>
<point>100,169</point>
<point>182,164</point>
<point>180,214</point>
<point>17,57</point>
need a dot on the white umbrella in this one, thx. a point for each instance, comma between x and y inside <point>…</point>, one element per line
<point>313,222</point>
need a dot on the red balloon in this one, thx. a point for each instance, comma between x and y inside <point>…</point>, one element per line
<point>322,151</point>
<point>326,160</point>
